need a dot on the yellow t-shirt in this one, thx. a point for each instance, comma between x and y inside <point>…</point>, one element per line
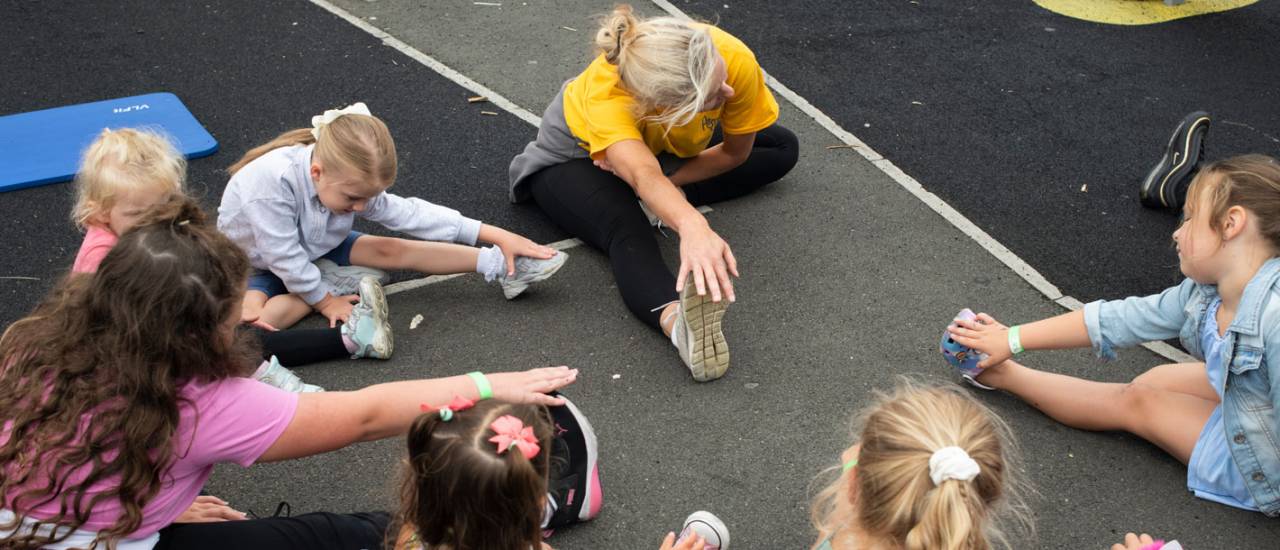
<point>598,111</point>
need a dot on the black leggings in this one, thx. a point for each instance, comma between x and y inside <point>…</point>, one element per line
<point>294,347</point>
<point>320,530</point>
<point>602,210</point>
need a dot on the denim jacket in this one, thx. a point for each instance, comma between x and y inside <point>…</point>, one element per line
<point>1250,400</point>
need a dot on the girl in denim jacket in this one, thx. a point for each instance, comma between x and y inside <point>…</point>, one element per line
<point>1219,416</point>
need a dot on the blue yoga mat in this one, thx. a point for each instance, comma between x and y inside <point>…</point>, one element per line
<point>44,147</point>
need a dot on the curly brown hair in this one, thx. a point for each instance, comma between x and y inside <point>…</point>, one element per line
<point>90,380</point>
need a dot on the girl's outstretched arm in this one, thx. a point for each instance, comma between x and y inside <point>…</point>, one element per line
<point>989,336</point>
<point>329,421</point>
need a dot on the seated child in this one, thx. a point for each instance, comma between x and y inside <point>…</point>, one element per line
<point>930,468</point>
<point>293,201</point>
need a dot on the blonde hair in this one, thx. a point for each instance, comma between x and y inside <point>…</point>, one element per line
<point>123,161</point>
<point>356,144</point>
<point>1250,181</point>
<point>890,497</point>
<point>667,64</point>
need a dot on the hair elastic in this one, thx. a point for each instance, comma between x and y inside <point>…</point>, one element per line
<point>849,465</point>
<point>952,463</point>
<point>459,403</point>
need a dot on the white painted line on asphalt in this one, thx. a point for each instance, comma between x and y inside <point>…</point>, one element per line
<point>431,62</point>
<point>1006,256</point>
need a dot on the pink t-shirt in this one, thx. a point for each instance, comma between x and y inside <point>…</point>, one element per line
<point>239,419</point>
<point>98,241</point>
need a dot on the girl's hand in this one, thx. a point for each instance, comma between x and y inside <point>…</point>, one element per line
<point>531,386</point>
<point>209,509</point>
<point>336,308</point>
<point>514,245</point>
<point>1134,542</point>
<point>984,334</point>
<point>691,543</point>
<point>604,164</point>
<point>255,320</point>
<point>707,258</point>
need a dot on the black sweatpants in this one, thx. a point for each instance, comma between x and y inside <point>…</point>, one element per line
<point>315,531</point>
<point>302,346</point>
<point>601,209</point>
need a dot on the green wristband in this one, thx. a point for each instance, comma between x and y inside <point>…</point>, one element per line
<point>849,465</point>
<point>1015,339</point>
<point>482,384</point>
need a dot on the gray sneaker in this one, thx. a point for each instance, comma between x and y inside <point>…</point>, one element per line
<point>698,335</point>
<point>368,326</point>
<point>529,271</point>
<point>275,374</point>
<point>345,279</point>
<point>715,535</point>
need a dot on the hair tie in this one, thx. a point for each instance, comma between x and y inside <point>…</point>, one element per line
<point>951,463</point>
<point>617,46</point>
<point>459,403</point>
<point>512,433</point>
<point>184,222</point>
<point>320,121</point>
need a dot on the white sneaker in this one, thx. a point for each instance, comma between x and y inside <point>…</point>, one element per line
<point>345,279</point>
<point>367,325</point>
<point>715,534</point>
<point>529,271</point>
<point>698,335</point>
<point>273,373</point>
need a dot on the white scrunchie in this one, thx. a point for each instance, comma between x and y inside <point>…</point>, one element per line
<point>951,463</point>
<point>318,121</point>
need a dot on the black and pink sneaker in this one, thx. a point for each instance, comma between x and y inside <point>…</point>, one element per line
<point>573,489</point>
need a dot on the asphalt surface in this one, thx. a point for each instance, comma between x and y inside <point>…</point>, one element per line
<point>1007,111</point>
<point>848,280</point>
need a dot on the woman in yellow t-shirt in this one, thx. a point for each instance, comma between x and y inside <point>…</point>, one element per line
<point>640,123</point>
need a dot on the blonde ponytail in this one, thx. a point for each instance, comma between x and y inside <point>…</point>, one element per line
<point>890,495</point>
<point>287,139</point>
<point>949,519</point>
<point>668,65</point>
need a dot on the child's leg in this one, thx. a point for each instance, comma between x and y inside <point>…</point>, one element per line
<point>1172,420</point>
<point>422,256</point>
<point>283,310</point>
<point>1188,378</point>
<point>252,305</point>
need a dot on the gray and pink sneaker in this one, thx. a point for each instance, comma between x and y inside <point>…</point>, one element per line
<point>715,534</point>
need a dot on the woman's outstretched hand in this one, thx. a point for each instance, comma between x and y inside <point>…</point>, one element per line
<point>707,258</point>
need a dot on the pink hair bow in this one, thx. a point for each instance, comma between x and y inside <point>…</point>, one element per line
<point>513,433</point>
<point>459,403</point>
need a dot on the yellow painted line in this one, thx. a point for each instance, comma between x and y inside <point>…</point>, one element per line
<point>1137,12</point>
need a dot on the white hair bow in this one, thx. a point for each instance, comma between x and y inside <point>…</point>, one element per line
<point>951,463</point>
<point>318,121</point>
